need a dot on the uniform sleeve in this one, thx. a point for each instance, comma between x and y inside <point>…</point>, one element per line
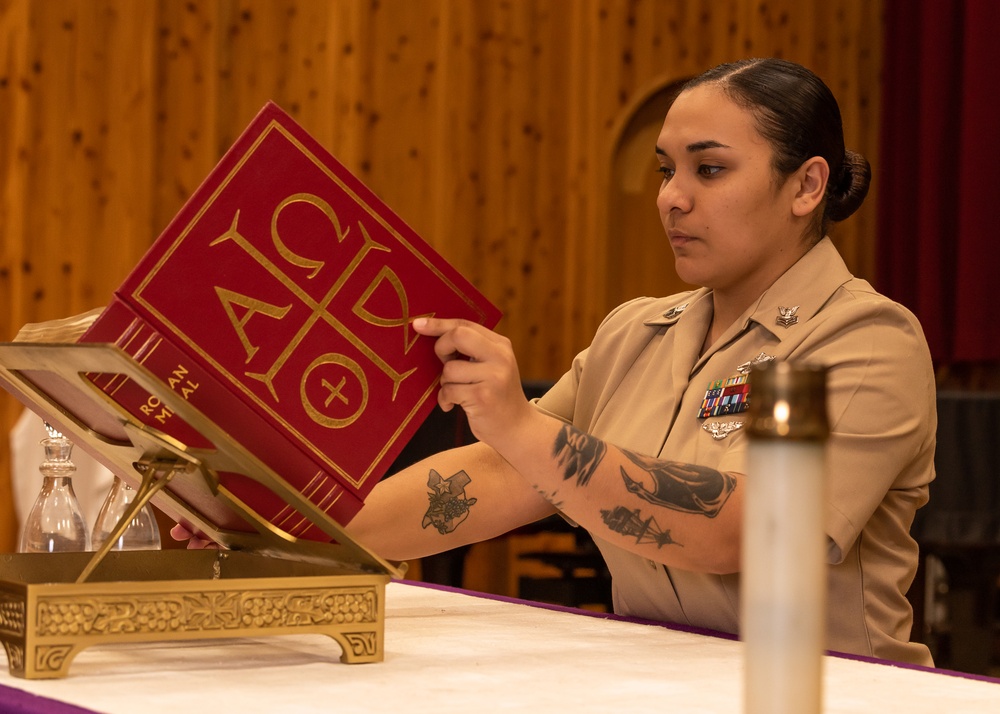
<point>560,400</point>
<point>882,412</point>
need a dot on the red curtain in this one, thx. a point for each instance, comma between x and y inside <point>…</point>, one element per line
<point>939,172</point>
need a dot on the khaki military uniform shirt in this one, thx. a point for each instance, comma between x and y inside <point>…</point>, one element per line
<point>640,386</point>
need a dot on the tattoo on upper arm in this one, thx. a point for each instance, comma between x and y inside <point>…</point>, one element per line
<point>679,486</point>
<point>629,522</point>
<point>551,497</point>
<point>449,505</point>
<point>578,454</point>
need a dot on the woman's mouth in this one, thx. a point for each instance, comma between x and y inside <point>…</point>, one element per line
<point>679,239</point>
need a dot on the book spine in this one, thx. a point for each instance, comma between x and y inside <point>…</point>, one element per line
<point>121,326</point>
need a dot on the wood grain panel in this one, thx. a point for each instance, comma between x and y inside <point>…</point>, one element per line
<point>491,127</point>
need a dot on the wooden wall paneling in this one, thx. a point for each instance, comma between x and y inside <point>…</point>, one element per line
<point>769,31</point>
<point>631,48</point>
<point>511,93</point>
<point>602,64</point>
<point>117,101</point>
<point>280,51</point>
<point>480,123</point>
<point>583,284</point>
<point>59,194</point>
<point>622,50</point>
<point>851,64</point>
<point>348,77</point>
<point>83,178</point>
<point>88,173</point>
<point>544,236</point>
<point>525,225</point>
<point>398,115</point>
<point>15,127</point>
<point>304,83</point>
<point>638,258</point>
<point>14,140</point>
<point>492,50</point>
<point>189,38</point>
<point>452,142</point>
<point>254,50</point>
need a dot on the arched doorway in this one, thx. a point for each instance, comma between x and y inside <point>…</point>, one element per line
<point>639,259</point>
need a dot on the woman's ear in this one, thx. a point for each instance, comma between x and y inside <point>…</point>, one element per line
<point>811,178</point>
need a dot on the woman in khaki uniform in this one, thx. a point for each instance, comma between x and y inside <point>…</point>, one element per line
<point>647,423</point>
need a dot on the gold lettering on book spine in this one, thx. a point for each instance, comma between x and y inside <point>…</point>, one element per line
<point>179,383</point>
<point>154,408</point>
<point>250,307</point>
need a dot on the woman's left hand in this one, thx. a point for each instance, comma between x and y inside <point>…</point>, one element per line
<point>480,375</point>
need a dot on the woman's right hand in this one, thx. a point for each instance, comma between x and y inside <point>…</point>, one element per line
<point>194,542</point>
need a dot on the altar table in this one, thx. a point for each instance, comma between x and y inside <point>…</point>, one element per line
<point>450,650</point>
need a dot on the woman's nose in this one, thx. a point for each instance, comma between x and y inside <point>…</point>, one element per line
<point>674,195</point>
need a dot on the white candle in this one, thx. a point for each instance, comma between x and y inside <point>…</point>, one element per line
<point>783,581</point>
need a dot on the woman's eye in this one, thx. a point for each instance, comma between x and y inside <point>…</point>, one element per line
<point>667,172</point>
<point>709,171</point>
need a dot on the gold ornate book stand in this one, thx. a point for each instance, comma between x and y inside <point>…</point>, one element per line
<point>266,582</point>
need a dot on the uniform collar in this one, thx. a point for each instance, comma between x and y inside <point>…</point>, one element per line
<point>801,291</point>
<point>683,304</point>
<point>806,286</point>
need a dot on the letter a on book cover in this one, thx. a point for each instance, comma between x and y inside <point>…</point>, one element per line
<point>278,302</point>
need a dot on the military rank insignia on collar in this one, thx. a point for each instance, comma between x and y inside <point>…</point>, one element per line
<point>675,311</point>
<point>786,316</point>
<point>726,396</point>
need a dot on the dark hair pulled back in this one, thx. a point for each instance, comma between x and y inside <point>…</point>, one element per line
<point>799,117</point>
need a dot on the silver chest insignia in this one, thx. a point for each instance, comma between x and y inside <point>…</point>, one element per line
<point>721,429</point>
<point>749,364</point>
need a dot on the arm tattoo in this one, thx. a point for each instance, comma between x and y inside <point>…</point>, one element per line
<point>578,454</point>
<point>682,487</point>
<point>449,505</point>
<point>628,522</point>
<point>551,497</point>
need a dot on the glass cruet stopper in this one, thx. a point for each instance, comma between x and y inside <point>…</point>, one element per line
<point>142,532</point>
<point>55,523</point>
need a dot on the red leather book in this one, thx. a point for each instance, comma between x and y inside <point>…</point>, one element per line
<point>278,302</point>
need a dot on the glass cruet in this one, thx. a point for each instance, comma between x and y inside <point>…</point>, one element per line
<point>55,522</point>
<point>142,532</point>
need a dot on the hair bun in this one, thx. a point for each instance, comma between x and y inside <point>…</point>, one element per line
<point>848,192</point>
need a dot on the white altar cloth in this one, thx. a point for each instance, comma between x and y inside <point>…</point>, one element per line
<point>454,651</point>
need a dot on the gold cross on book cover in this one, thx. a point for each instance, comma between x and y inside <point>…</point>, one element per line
<point>255,375</point>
